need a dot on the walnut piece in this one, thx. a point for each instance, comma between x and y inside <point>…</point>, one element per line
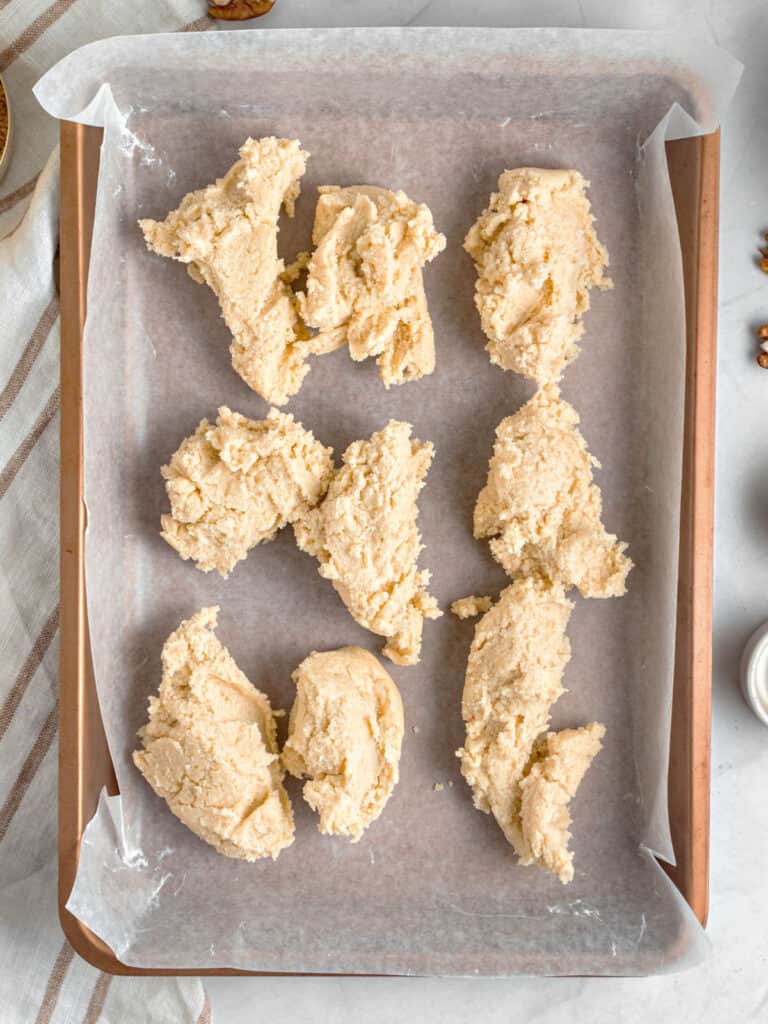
<point>239,10</point>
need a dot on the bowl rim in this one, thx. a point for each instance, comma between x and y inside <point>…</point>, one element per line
<point>752,660</point>
<point>5,150</point>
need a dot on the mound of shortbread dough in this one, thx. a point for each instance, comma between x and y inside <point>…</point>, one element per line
<point>365,535</point>
<point>536,256</point>
<point>558,764</point>
<point>235,484</point>
<point>514,676</point>
<point>364,283</point>
<point>540,505</point>
<point>227,234</point>
<point>345,734</point>
<point>210,747</point>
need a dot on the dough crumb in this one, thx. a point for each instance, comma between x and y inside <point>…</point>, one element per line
<point>364,284</point>
<point>234,485</point>
<point>558,764</point>
<point>536,256</point>
<point>514,675</point>
<point>438,787</point>
<point>227,235</point>
<point>210,747</point>
<point>345,733</point>
<point>366,538</point>
<point>468,607</point>
<point>541,507</point>
<point>415,729</point>
<point>450,784</point>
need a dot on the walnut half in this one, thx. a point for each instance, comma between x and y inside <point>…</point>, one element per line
<point>238,10</point>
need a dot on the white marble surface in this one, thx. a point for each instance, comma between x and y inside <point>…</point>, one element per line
<point>733,986</point>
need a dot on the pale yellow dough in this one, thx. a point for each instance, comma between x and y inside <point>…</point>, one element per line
<point>364,284</point>
<point>536,256</point>
<point>345,734</point>
<point>514,676</point>
<point>227,234</point>
<point>235,484</point>
<point>210,747</point>
<point>540,506</point>
<point>469,607</point>
<point>559,762</point>
<point>366,538</point>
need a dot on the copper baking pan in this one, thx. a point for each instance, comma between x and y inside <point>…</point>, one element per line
<point>84,762</point>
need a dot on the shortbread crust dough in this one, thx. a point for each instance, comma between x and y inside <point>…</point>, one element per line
<point>364,283</point>
<point>227,234</point>
<point>345,734</point>
<point>469,607</point>
<point>540,505</point>
<point>210,747</point>
<point>234,484</point>
<point>536,255</point>
<point>366,538</point>
<point>558,764</point>
<point>514,676</point>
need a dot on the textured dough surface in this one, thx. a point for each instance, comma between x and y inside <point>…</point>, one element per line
<point>536,256</point>
<point>364,284</point>
<point>514,676</point>
<point>469,607</point>
<point>210,747</point>
<point>345,733</point>
<point>235,484</point>
<point>558,764</point>
<point>541,507</point>
<point>227,234</point>
<point>365,536</point>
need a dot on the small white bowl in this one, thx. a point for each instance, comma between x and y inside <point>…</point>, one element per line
<point>754,673</point>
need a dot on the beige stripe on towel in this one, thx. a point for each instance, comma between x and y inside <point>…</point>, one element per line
<point>28,771</point>
<point>29,355</point>
<point>32,32</point>
<point>98,998</point>
<point>9,201</point>
<point>28,669</point>
<point>22,453</point>
<point>55,981</point>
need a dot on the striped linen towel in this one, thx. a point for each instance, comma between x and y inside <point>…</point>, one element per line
<point>41,978</point>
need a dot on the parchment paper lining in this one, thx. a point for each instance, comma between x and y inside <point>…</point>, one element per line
<point>432,887</point>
